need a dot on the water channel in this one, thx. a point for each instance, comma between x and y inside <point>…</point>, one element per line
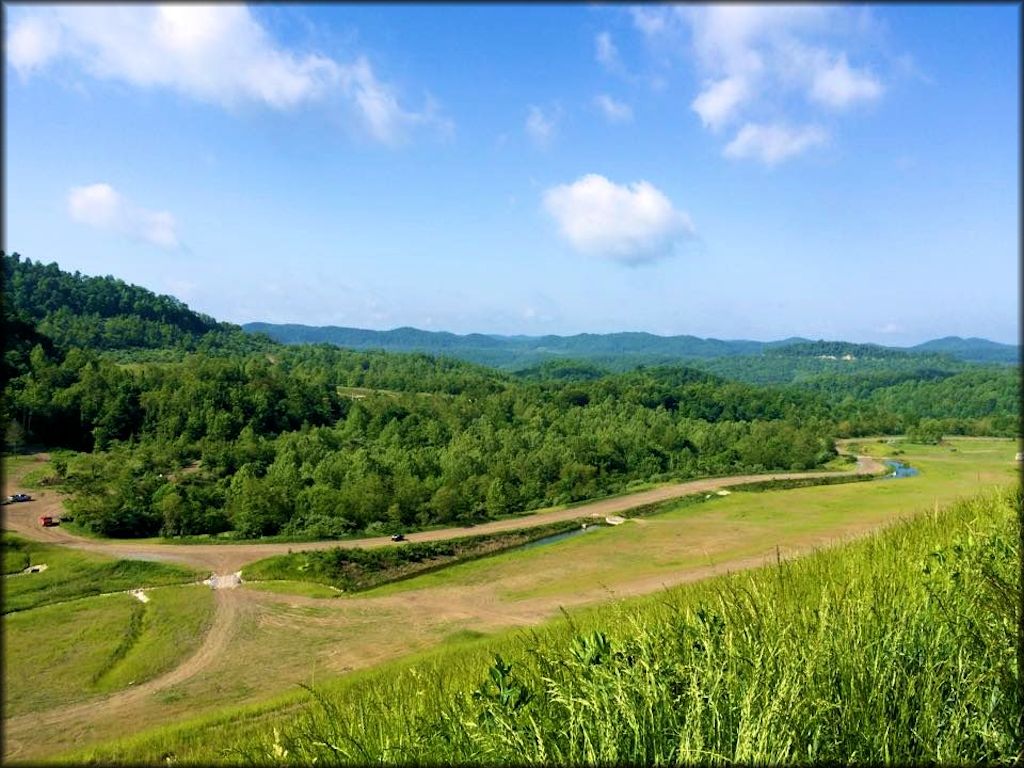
<point>899,469</point>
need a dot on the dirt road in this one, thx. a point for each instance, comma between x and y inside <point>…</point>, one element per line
<point>224,559</point>
<point>428,611</point>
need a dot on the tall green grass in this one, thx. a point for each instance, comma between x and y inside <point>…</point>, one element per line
<point>897,648</point>
<point>900,648</point>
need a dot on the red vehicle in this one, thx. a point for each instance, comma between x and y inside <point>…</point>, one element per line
<point>47,521</point>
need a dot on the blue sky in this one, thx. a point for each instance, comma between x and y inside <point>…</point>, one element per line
<point>732,171</point>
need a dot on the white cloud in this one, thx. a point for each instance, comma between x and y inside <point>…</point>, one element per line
<point>840,86</point>
<point>33,43</point>
<point>606,52</point>
<point>218,54</point>
<point>759,60</point>
<point>631,224</point>
<point>771,144</point>
<point>651,21</point>
<point>614,111</point>
<point>720,101</point>
<point>541,126</point>
<point>101,207</point>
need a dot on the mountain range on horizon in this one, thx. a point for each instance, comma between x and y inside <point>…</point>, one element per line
<point>639,347</point>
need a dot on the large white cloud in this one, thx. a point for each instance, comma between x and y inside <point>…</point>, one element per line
<point>754,59</point>
<point>629,223</point>
<point>101,207</point>
<point>219,54</point>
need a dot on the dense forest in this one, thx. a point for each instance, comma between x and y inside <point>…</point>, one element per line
<point>176,424</point>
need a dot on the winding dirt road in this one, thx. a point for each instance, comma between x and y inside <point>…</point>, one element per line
<point>74,722</point>
<point>226,559</point>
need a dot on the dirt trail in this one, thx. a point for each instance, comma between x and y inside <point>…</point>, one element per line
<point>76,718</point>
<point>481,604</point>
<point>224,559</point>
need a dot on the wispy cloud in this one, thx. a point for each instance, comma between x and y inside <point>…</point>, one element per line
<point>771,144</point>
<point>101,207</point>
<point>542,126</point>
<point>218,54</point>
<point>629,223</point>
<point>614,111</point>
<point>606,53</point>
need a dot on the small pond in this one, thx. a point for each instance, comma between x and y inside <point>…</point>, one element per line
<point>899,469</point>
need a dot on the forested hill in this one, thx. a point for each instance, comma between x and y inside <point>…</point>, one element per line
<point>973,350</point>
<point>74,310</point>
<point>624,351</point>
<point>219,431</point>
<point>618,351</point>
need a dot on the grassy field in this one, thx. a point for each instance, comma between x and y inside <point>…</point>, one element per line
<point>95,645</point>
<point>291,587</point>
<point>284,640</point>
<point>899,647</point>
<point>71,574</point>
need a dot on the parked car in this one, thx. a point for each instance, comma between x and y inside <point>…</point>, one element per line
<point>17,497</point>
<point>397,537</point>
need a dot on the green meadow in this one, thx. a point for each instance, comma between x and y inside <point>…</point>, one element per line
<point>83,648</point>
<point>899,647</point>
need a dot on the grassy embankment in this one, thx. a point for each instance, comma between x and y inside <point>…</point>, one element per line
<point>74,634</point>
<point>355,570</point>
<point>898,647</point>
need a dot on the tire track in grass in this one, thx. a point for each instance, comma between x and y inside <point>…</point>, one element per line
<point>131,636</point>
<point>74,720</point>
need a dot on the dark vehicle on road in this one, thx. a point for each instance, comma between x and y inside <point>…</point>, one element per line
<point>398,537</point>
<point>17,497</point>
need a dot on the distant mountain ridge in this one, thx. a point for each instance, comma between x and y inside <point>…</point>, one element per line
<point>972,349</point>
<point>628,348</point>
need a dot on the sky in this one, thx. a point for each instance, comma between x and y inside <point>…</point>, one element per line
<point>755,172</point>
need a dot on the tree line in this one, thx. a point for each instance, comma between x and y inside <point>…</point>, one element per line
<point>232,432</point>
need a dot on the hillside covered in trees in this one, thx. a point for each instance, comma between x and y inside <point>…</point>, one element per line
<point>105,313</point>
<point>176,424</point>
<point>624,351</point>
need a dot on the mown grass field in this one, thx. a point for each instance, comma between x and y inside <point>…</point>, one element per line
<point>291,587</point>
<point>896,648</point>
<point>94,645</point>
<point>72,574</point>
